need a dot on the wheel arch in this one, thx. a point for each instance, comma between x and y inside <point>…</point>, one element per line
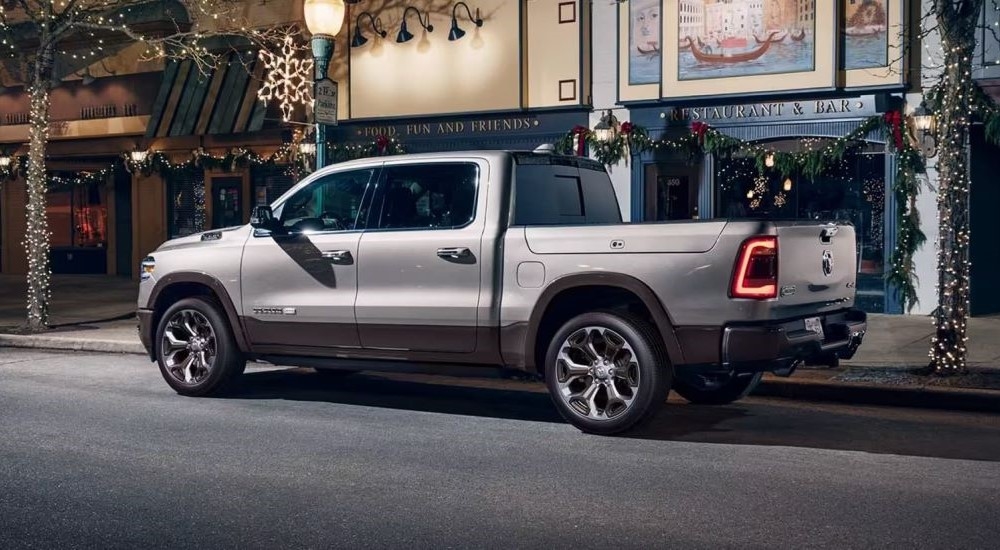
<point>547,314</point>
<point>179,285</point>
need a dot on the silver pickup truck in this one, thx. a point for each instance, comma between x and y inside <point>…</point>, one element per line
<point>507,260</point>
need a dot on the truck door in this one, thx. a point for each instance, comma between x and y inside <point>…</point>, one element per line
<point>420,261</point>
<point>299,284</point>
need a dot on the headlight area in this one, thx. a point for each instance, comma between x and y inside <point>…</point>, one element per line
<point>147,267</point>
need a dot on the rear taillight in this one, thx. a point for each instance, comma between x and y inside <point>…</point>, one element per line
<point>756,274</point>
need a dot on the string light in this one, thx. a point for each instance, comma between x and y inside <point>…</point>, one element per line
<point>51,23</point>
<point>956,100</point>
<point>287,77</point>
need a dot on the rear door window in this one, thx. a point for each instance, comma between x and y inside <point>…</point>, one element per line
<point>429,196</point>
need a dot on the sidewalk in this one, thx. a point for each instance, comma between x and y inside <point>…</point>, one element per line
<point>75,299</point>
<point>880,373</point>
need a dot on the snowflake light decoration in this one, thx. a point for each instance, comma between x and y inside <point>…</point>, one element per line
<point>288,78</point>
<point>759,190</point>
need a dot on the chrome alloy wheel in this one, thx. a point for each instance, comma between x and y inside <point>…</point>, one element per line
<point>597,373</point>
<point>188,348</point>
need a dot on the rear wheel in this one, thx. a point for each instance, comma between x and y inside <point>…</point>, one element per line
<point>607,372</point>
<point>716,389</point>
<point>196,351</point>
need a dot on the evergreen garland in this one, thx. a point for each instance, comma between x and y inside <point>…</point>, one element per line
<point>702,140</point>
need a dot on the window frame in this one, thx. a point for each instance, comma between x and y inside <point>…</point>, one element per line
<point>364,206</point>
<point>379,199</point>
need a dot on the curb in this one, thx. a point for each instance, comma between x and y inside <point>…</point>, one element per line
<point>70,344</point>
<point>921,397</point>
<point>122,317</point>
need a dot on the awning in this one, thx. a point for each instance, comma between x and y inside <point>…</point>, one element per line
<point>223,101</point>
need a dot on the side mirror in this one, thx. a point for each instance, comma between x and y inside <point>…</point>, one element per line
<point>263,218</point>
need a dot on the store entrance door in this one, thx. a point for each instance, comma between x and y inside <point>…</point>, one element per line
<point>671,192</point>
<point>227,205</point>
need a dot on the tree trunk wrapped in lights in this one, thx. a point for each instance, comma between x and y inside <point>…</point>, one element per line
<point>36,239</point>
<point>957,22</point>
<point>36,32</point>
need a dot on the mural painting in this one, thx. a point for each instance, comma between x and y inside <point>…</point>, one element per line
<point>644,42</point>
<point>865,35</point>
<point>735,38</point>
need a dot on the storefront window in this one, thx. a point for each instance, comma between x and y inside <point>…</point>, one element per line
<point>78,217</point>
<point>852,190</point>
<point>186,202</point>
<point>270,182</point>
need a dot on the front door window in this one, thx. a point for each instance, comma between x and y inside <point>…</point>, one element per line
<point>332,203</point>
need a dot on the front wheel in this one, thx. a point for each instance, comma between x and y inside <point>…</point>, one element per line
<point>716,390</point>
<point>196,351</point>
<point>607,372</point>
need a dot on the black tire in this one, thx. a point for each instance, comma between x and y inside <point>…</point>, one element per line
<point>228,362</point>
<point>652,366</point>
<point>716,392</point>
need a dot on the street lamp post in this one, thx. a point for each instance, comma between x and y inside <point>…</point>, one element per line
<point>324,19</point>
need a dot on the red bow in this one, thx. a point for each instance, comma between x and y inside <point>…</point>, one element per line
<point>895,120</point>
<point>626,128</point>
<point>699,128</point>
<point>580,132</point>
<point>382,143</point>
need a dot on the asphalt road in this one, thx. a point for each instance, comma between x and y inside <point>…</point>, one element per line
<point>96,451</point>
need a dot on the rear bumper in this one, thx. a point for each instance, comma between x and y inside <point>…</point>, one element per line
<point>146,330</point>
<point>781,345</point>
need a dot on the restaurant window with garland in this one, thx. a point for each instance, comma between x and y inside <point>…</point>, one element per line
<point>271,181</point>
<point>185,202</point>
<point>77,215</point>
<point>852,189</point>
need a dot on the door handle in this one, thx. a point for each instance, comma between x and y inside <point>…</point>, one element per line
<point>454,253</point>
<point>339,257</point>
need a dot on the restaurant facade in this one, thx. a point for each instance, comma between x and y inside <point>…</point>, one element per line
<point>792,75</point>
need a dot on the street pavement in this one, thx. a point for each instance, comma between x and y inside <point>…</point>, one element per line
<point>97,451</point>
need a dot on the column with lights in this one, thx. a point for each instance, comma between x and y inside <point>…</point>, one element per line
<point>324,19</point>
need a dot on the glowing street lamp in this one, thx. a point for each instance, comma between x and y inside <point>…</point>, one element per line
<point>324,19</point>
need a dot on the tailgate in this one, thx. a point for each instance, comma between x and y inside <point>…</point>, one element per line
<point>817,264</point>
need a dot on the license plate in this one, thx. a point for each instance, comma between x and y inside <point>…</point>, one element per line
<point>813,324</point>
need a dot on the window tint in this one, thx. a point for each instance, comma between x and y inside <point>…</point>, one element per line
<point>429,196</point>
<point>568,195</point>
<point>549,193</point>
<point>332,203</point>
<point>599,196</point>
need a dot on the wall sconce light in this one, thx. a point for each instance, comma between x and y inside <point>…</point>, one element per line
<point>5,162</point>
<point>769,160</point>
<point>135,161</point>
<point>607,128</point>
<point>787,186</point>
<point>359,38</point>
<point>457,33</point>
<point>405,35</point>
<point>139,156</point>
<point>925,123</point>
